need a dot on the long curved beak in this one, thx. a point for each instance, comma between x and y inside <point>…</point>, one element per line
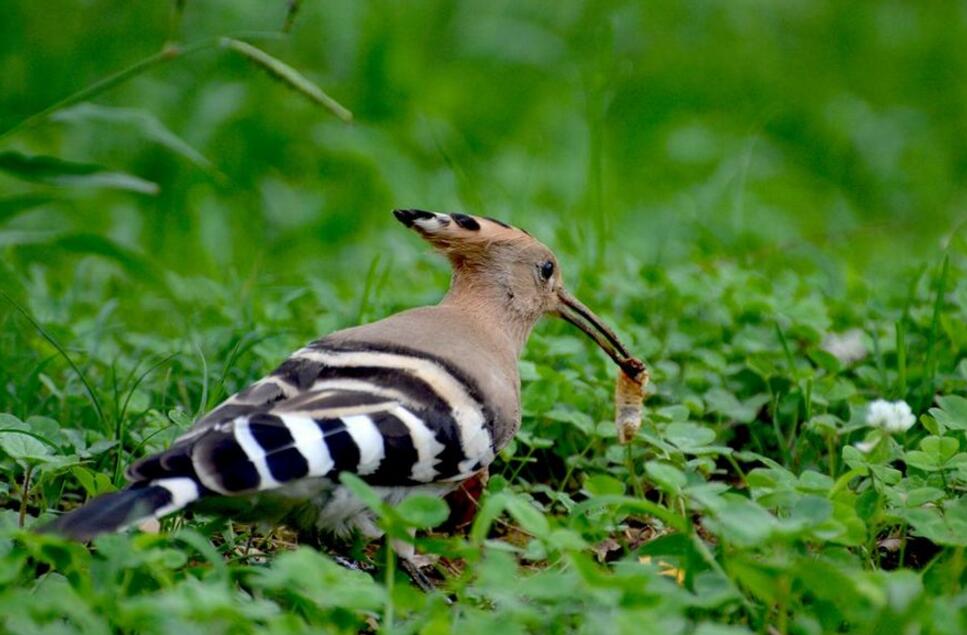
<point>572,310</point>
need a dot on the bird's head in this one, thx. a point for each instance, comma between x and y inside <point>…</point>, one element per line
<point>496,264</point>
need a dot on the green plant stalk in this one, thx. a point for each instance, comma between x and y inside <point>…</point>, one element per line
<point>794,428</point>
<point>288,75</point>
<point>901,360</point>
<point>524,460</point>
<point>594,188</point>
<point>292,10</point>
<point>831,450</point>
<point>119,424</point>
<point>878,356</point>
<point>388,609</point>
<point>243,345</point>
<point>793,370</point>
<point>780,437</point>
<point>843,481</point>
<point>781,610</point>
<point>169,52</point>
<point>570,468</point>
<point>903,544</point>
<point>710,560</point>
<point>368,286</point>
<point>930,365</point>
<point>735,465</point>
<point>955,569</point>
<point>808,403</point>
<point>640,505</point>
<point>635,481</point>
<point>24,494</point>
<point>174,24</point>
<point>203,402</point>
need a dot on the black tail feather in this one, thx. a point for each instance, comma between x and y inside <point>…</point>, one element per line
<point>111,512</point>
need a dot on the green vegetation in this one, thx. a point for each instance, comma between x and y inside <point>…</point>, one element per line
<point>765,199</point>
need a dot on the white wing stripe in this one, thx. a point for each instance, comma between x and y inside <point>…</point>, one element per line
<point>255,453</point>
<point>369,441</point>
<point>427,447</point>
<point>310,443</point>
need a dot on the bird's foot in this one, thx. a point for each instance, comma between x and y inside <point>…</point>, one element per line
<point>351,564</point>
<point>414,568</point>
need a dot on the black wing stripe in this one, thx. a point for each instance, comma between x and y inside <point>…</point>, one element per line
<point>400,454</point>
<point>267,391</point>
<point>446,432</point>
<point>471,386</point>
<point>417,391</point>
<point>342,448</point>
<point>219,457</point>
<point>287,465</point>
<point>269,432</point>
<point>299,372</point>
<point>329,400</point>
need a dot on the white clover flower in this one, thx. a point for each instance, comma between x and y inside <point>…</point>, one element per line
<point>846,347</point>
<point>890,417</point>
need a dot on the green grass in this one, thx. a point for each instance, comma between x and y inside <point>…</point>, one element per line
<point>728,185</point>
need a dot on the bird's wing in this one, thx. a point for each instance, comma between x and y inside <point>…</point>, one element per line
<point>393,416</point>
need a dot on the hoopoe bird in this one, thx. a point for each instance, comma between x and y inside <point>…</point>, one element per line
<point>417,402</point>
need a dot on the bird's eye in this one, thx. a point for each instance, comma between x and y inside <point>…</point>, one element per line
<point>547,270</point>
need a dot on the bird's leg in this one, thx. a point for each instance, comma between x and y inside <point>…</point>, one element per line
<point>410,562</point>
<point>310,537</point>
<point>347,559</point>
<point>404,549</point>
<point>464,502</point>
<point>417,576</point>
<point>349,563</point>
<point>341,554</point>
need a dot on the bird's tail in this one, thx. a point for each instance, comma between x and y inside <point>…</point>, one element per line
<point>117,510</point>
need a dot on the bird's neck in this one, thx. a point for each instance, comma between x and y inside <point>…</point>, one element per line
<point>490,305</point>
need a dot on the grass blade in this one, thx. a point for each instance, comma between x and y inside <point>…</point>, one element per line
<point>291,11</point>
<point>60,349</point>
<point>141,122</point>
<point>54,171</point>
<point>901,360</point>
<point>288,75</point>
<point>109,82</point>
<point>167,53</point>
<point>12,206</point>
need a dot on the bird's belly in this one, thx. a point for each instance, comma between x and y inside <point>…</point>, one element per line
<point>328,507</point>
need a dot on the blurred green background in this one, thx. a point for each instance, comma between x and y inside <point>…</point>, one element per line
<point>823,137</point>
<point>728,183</point>
<point>668,130</point>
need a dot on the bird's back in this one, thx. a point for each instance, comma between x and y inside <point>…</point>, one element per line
<point>399,415</point>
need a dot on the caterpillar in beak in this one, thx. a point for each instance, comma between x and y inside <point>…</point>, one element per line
<point>629,398</point>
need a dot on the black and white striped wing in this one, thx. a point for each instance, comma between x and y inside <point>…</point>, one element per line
<point>393,416</point>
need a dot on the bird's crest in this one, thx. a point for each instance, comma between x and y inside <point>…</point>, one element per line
<point>461,234</point>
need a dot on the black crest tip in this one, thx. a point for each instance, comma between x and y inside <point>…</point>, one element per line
<point>408,216</point>
<point>466,222</point>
